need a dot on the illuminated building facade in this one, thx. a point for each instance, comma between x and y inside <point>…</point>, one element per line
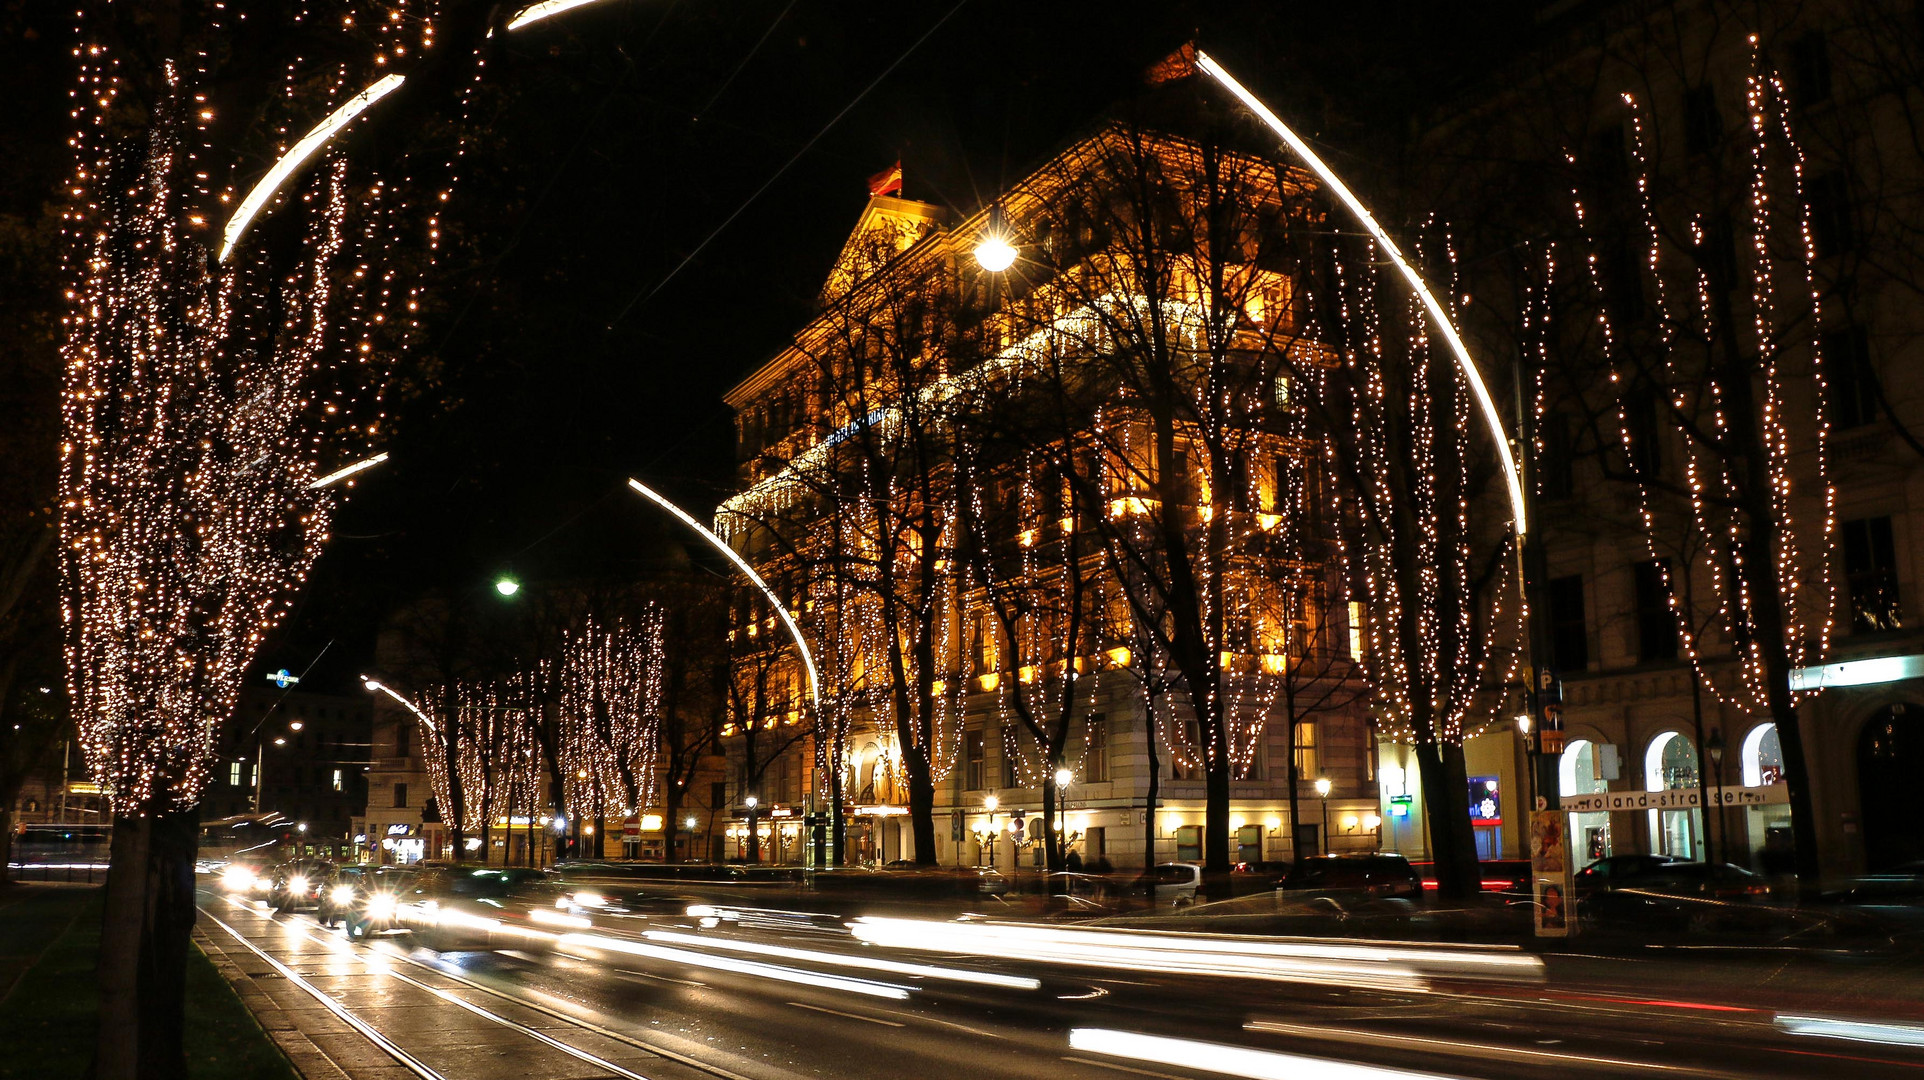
<point>1738,176</point>
<point>952,486</point>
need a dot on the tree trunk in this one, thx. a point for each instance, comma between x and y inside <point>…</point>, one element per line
<point>6,840</point>
<point>1051,838</point>
<point>1446,786</point>
<point>1149,806</point>
<point>921,804</point>
<point>1216,770</point>
<point>671,823</point>
<point>143,947</point>
<point>1289,744</point>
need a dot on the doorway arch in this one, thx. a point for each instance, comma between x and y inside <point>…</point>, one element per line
<point>1670,764</point>
<point>1890,758</point>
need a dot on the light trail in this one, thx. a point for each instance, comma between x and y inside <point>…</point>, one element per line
<point>341,474</point>
<point>1438,315</point>
<point>291,162</point>
<point>1361,964</point>
<point>1230,1060</point>
<point>923,971</point>
<point>1482,1052</point>
<point>375,686</point>
<point>794,631</point>
<point>1852,1030</point>
<point>740,967</point>
<point>545,10</point>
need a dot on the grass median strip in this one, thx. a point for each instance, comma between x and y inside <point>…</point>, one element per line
<point>49,939</point>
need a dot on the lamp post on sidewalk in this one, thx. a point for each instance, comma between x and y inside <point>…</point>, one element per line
<point>1323,786</point>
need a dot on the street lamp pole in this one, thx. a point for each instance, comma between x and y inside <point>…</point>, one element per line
<point>1323,786</point>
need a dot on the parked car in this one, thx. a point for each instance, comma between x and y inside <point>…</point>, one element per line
<point>1176,883</point>
<point>362,898</point>
<point>1377,875</point>
<point>1509,878</point>
<point>1611,871</point>
<point>1676,895</point>
<point>297,884</point>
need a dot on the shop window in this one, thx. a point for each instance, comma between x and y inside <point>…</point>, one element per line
<point>1670,764</point>
<point>1189,843</point>
<point>1569,630</point>
<point>1763,757</point>
<point>1870,571</point>
<point>1656,623</point>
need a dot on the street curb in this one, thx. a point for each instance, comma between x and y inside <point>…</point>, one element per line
<point>314,1041</point>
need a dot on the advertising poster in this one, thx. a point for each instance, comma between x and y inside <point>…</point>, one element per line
<point>1550,873</point>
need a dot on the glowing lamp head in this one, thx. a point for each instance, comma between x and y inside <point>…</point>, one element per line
<point>994,254</point>
<point>751,802</point>
<point>1523,723</point>
<point>689,824</point>
<point>507,586</point>
<point>296,726</point>
<point>991,803</point>
<point>1063,776</point>
<point>1323,786</point>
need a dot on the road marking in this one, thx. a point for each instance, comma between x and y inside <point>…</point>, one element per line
<point>1122,1068</point>
<point>585,1025</point>
<point>850,1015</point>
<point>663,978</point>
<point>1373,1037</point>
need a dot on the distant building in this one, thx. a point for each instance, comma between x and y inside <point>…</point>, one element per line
<point>300,754</point>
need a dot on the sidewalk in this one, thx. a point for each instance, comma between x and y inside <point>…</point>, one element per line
<point>319,1044</point>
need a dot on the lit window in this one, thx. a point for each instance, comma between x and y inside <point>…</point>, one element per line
<point>337,779</point>
<point>233,774</point>
<point>1355,630</point>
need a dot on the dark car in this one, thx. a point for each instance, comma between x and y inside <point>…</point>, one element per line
<point>1677,895</point>
<point>1377,874</point>
<point>362,898</point>
<point>1615,870</point>
<point>297,884</point>
<point>1509,878</point>
<point>462,907</point>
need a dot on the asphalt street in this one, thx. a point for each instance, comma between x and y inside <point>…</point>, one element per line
<point>770,998</point>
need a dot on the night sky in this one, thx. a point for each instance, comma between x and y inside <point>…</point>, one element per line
<point>619,138</point>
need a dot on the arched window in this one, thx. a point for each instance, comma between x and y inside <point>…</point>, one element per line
<point>1577,769</point>
<point>1763,758</point>
<point>1669,764</point>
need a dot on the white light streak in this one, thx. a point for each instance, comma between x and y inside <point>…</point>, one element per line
<point>1867,672</point>
<point>382,688</point>
<point>1229,1060</point>
<point>1852,1030</point>
<point>291,162</point>
<point>741,967</point>
<point>545,9</point>
<point>1282,960</point>
<point>342,474</point>
<point>794,631</point>
<point>1437,314</point>
<point>920,971</point>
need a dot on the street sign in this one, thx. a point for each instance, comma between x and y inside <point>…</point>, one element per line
<point>955,826</point>
<point>631,826</point>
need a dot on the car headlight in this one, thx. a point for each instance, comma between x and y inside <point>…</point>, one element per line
<point>297,884</point>
<point>342,894</point>
<point>237,879</point>
<point>380,906</point>
<point>262,884</point>
<point>590,899</point>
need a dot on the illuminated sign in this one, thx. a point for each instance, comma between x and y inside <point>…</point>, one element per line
<point>399,828</point>
<point>1486,802</point>
<point>1676,798</point>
